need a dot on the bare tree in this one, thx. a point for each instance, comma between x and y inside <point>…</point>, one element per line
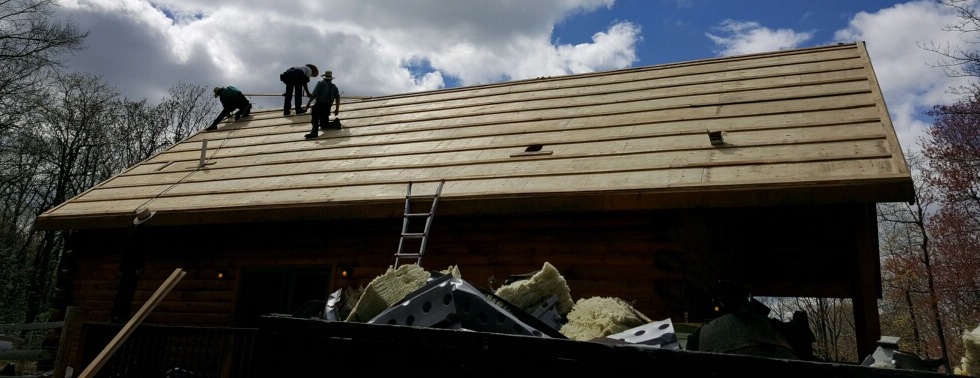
<point>915,219</point>
<point>61,134</point>
<point>31,47</point>
<point>146,132</point>
<point>830,319</point>
<point>70,145</point>
<point>84,133</point>
<point>941,272</point>
<point>31,44</point>
<point>187,109</point>
<point>149,129</point>
<point>16,209</point>
<point>901,277</point>
<point>833,324</point>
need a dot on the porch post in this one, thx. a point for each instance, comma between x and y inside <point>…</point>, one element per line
<point>866,284</point>
<point>130,270</point>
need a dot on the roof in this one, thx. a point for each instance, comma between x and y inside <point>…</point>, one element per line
<point>798,127</point>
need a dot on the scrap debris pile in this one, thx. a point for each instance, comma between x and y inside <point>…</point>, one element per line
<point>540,304</point>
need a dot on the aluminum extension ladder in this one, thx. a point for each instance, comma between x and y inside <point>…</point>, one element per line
<point>407,224</point>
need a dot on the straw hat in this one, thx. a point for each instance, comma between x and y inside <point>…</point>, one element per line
<point>142,215</point>
<point>313,68</point>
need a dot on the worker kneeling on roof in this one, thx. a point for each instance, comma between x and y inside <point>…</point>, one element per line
<point>324,94</point>
<point>231,99</point>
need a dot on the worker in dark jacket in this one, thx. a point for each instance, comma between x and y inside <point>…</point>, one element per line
<point>231,99</point>
<point>324,94</point>
<point>297,79</point>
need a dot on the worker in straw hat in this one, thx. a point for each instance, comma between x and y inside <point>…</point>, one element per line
<point>324,94</point>
<point>296,80</point>
<point>231,99</point>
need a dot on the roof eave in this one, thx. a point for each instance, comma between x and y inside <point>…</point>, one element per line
<point>882,191</point>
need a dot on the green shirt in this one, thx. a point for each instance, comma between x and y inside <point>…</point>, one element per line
<point>325,93</point>
<point>232,98</point>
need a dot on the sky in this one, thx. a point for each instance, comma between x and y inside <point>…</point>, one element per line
<point>380,47</point>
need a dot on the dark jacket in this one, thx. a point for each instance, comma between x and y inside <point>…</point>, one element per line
<point>232,98</point>
<point>325,93</point>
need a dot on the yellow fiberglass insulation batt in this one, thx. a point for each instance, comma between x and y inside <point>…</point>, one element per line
<point>596,317</point>
<point>530,293</point>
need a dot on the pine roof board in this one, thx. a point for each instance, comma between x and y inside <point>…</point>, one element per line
<point>800,126</point>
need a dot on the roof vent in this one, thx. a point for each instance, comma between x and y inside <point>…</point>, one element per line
<point>532,150</point>
<point>717,138</point>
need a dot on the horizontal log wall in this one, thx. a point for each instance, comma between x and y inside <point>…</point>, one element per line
<point>597,255</point>
<point>663,262</point>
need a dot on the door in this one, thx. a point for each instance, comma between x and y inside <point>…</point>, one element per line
<point>279,290</point>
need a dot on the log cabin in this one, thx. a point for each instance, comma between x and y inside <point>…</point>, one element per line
<point>647,184</point>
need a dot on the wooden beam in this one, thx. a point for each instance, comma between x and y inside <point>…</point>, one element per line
<point>130,266</point>
<point>26,355</point>
<point>61,359</point>
<point>124,333</point>
<point>30,326</point>
<point>867,324</point>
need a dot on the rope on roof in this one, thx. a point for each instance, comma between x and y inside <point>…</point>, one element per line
<point>280,95</point>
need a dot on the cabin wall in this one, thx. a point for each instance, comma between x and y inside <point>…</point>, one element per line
<point>663,262</point>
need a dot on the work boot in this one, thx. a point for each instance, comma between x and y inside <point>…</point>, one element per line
<point>310,136</point>
<point>285,112</point>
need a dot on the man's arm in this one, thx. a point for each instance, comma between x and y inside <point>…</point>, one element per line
<point>336,99</point>
<point>316,92</point>
<point>225,112</point>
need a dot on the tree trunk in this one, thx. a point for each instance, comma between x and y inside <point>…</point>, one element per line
<point>40,278</point>
<point>916,337</point>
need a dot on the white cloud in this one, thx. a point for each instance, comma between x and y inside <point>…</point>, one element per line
<point>374,47</point>
<point>609,50</point>
<point>746,37</point>
<point>906,73</point>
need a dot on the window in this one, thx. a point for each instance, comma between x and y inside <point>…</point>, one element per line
<point>279,289</point>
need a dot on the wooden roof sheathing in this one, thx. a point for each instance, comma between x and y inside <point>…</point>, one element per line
<point>800,127</point>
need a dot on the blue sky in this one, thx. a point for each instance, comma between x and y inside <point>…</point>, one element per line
<point>378,47</point>
<point>676,31</point>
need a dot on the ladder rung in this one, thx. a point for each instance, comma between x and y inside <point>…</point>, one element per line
<point>434,199</point>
